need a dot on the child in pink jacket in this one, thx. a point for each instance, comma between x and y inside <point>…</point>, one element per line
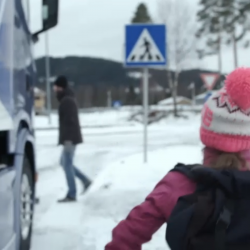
<point>225,132</point>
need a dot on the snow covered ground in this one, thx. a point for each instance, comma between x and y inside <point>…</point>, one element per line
<point>112,157</point>
<point>108,117</point>
<point>101,117</point>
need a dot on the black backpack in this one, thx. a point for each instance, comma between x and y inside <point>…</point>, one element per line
<point>216,216</point>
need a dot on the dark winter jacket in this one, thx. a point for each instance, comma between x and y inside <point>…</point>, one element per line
<point>69,125</point>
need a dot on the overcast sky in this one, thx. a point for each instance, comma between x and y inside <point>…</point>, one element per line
<point>96,28</point>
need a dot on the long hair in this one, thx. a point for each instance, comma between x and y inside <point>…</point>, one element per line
<point>222,160</point>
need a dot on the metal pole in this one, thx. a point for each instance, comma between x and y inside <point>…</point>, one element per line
<point>109,99</point>
<point>145,107</point>
<point>47,68</point>
<point>194,98</point>
<point>194,101</point>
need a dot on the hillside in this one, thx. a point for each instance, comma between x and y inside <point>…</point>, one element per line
<point>93,78</point>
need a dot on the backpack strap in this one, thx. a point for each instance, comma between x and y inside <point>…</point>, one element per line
<point>202,211</point>
<point>186,170</point>
<point>223,223</point>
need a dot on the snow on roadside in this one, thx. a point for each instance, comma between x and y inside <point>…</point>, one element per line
<point>98,118</point>
<point>142,175</point>
<point>122,180</point>
<point>108,118</point>
<point>121,185</point>
<point>106,140</point>
<point>126,183</point>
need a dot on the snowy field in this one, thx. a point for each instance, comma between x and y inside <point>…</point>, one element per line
<point>112,157</point>
<point>107,118</point>
<point>101,118</point>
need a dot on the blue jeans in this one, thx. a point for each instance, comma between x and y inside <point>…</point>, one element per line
<point>71,171</point>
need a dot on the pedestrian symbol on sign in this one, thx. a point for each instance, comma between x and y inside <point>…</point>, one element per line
<point>147,46</point>
<point>145,50</point>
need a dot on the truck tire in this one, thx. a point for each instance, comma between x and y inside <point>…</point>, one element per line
<point>26,205</point>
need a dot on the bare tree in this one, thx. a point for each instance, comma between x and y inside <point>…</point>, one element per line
<point>179,17</point>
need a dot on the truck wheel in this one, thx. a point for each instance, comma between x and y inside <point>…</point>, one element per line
<point>26,206</point>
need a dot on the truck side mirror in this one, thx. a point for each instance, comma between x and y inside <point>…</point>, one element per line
<point>49,16</point>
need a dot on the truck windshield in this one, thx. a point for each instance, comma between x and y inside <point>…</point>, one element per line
<point>26,9</point>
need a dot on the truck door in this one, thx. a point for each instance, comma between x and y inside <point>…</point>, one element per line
<point>6,65</point>
<point>7,173</point>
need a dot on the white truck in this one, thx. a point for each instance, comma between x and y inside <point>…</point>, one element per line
<point>17,149</point>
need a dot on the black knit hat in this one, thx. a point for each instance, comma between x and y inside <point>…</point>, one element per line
<point>62,82</point>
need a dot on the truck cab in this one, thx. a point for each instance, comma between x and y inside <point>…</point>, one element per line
<point>17,140</point>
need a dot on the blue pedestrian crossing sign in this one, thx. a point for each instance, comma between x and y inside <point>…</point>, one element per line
<point>145,45</point>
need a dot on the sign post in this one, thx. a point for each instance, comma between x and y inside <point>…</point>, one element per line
<point>145,113</point>
<point>48,86</point>
<point>192,88</point>
<point>145,47</point>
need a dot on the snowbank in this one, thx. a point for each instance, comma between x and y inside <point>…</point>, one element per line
<point>131,174</point>
<point>179,100</point>
<point>88,223</point>
<point>126,183</point>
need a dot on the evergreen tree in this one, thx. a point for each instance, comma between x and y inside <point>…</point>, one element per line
<point>232,16</point>
<point>244,11</point>
<point>208,18</point>
<point>210,27</point>
<point>244,5</point>
<point>141,15</point>
<point>222,18</point>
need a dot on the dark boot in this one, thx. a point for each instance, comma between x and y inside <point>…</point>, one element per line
<point>86,186</point>
<point>67,199</point>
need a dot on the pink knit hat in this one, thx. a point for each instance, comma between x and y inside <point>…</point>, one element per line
<point>226,115</point>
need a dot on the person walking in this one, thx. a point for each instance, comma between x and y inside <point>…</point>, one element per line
<point>69,137</point>
<point>205,206</point>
